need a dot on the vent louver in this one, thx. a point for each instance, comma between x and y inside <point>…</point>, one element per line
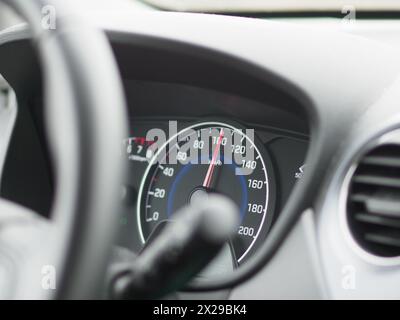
<point>373,205</point>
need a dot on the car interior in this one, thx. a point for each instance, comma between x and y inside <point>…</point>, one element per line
<point>200,150</point>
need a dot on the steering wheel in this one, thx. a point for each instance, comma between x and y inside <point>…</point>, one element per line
<point>66,257</point>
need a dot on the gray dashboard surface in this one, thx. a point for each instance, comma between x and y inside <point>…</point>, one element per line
<point>338,77</point>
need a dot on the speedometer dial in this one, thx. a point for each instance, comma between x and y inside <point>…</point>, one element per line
<point>210,157</point>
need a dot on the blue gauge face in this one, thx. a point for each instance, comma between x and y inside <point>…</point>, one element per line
<point>226,161</point>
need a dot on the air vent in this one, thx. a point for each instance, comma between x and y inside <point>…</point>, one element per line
<point>373,205</point>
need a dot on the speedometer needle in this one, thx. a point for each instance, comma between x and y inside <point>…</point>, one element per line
<point>210,171</point>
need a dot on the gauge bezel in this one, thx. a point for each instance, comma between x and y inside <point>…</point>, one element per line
<point>270,196</point>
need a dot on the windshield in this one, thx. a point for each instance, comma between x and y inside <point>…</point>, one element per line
<point>266,6</point>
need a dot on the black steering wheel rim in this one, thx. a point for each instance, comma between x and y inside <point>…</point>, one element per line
<point>85,113</point>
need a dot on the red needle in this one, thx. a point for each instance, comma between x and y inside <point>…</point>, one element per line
<point>207,179</point>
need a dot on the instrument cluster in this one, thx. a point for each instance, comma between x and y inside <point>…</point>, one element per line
<point>173,163</point>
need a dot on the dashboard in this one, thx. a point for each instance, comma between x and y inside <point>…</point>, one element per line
<point>172,95</point>
<point>308,102</point>
<point>147,205</point>
<point>280,154</point>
